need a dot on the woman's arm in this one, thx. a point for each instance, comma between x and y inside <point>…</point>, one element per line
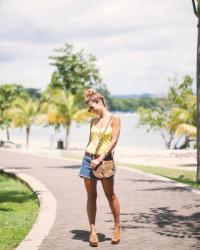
<point>116,126</point>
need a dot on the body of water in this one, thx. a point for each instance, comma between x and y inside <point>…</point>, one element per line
<point>130,135</point>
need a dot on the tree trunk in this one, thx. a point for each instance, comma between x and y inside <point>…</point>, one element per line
<point>198,103</point>
<point>167,142</point>
<point>175,145</point>
<point>7,134</point>
<point>185,143</point>
<point>27,136</point>
<point>67,136</point>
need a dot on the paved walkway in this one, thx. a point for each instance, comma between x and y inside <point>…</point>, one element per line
<point>155,214</point>
<point>184,159</point>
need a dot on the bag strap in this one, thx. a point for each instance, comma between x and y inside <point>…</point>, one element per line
<point>101,139</point>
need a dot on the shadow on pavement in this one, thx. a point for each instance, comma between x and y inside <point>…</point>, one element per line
<point>148,181</point>
<point>170,189</point>
<point>84,235</point>
<point>17,167</point>
<point>67,167</point>
<point>164,221</point>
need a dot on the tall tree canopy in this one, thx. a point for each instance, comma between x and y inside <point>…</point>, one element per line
<point>75,71</point>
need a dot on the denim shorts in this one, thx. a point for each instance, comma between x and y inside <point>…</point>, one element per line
<point>86,169</point>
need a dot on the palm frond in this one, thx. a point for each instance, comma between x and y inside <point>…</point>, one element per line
<point>186,129</point>
<point>82,115</point>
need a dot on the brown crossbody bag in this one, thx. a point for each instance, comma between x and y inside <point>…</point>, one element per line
<point>106,168</point>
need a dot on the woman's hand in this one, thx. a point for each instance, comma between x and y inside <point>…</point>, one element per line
<point>94,163</point>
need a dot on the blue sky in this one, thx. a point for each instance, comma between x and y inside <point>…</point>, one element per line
<point>138,44</point>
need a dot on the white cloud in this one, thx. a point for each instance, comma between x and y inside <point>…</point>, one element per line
<point>137,43</point>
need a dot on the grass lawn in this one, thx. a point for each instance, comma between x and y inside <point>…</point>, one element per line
<point>19,208</point>
<point>183,176</point>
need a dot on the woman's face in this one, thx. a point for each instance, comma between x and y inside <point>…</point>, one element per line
<point>94,107</point>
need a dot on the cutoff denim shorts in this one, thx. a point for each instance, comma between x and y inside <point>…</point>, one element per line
<point>86,169</point>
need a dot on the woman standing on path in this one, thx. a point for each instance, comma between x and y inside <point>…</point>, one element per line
<point>104,119</point>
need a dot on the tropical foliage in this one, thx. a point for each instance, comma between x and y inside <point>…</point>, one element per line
<point>8,93</point>
<point>63,109</point>
<point>62,102</point>
<point>131,104</point>
<point>179,119</point>
<point>26,113</point>
<point>75,71</point>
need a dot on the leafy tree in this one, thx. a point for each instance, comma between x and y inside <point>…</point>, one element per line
<point>33,93</point>
<point>8,93</point>
<point>63,109</point>
<point>157,120</point>
<point>179,91</point>
<point>163,103</point>
<point>147,102</point>
<point>75,71</point>
<point>119,104</point>
<point>26,113</point>
<point>183,103</point>
<point>179,118</point>
<point>186,116</point>
<point>132,104</point>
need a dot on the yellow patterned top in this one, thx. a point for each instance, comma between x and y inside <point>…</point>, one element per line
<point>96,134</point>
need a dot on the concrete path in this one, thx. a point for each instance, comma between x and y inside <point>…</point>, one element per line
<point>155,214</point>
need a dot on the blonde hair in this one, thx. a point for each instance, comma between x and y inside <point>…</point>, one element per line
<point>92,95</point>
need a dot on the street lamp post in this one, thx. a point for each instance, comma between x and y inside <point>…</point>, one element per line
<point>196,12</point>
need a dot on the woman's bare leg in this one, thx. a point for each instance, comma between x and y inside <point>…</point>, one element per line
<point>108,187</point>
<point>91,188</point>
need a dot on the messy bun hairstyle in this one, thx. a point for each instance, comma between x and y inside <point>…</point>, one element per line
<point>92,95</point>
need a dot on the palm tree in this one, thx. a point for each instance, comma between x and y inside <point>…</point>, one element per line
<point>185,119</point>
<point>8,93</point>
<point>158,120</point>
<point>64,109</point>
<point>172,122</point>
<point>182,125</point>
<point>26,113</point>
<point>5,121</point>
<point>186,129</point>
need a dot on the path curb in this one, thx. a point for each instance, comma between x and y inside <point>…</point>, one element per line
<point>47,213</point>
<point>178,184</point>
